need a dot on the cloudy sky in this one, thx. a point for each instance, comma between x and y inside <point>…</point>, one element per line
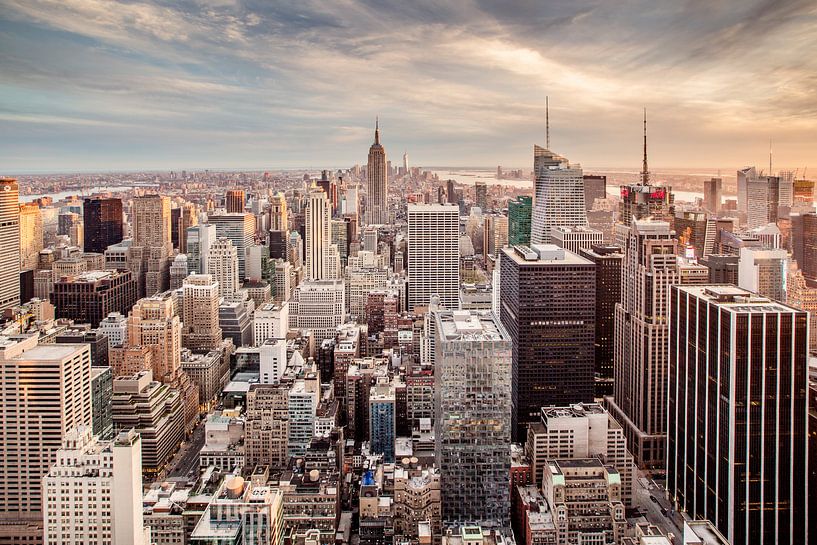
<point>96,84</point>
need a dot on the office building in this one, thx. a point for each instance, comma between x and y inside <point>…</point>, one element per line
<point>89,297</point>
<point>744,176</point>
<point>270,321</point>
<point>31,235</point>
<point>692,229</point>
<point>723,269</point>
<point>595,187</point>
<point>473,389</point>
<point>222,265</point>
<point>155,411</point>
<point>151,248</point>
<point>199,239</point>
<point>377,183</point>
<point>201,331</point>
<point>9,243</point>
<point>548,307</point>
<point>764,272</point>
<point>101,394</point>
<point>188,218</point>
<point>279,218</point>
<point>762,201</point>
<point>235,321</point>
<point>102,222</point>
<point>583,430</point>
<point>713,189</point>
<point>494,234</point>
<point>639,201</point>
<point>585,497</point>
<point>46,391</point>
<point>319,306</point>
<point>807,259</point>
<point>266,425</point>
<point>800,295</point>
<point>519,214</point>
<point>575,239</point>
<point>737,413</point>
<point>382,420</point>
<point>318,235</point>
<point>81,507</point>
<point>178,271</point>
<point>481,195</point>
<point>650,266</point>
<point>608,260</point>
<point>558,195</point>
<point>234,201</point>
<point>238,228</point>
<point>433,254</point>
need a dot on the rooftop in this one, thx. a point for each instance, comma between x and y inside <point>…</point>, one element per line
<point>735,299</point>
<point>544,254</point>
<point>469,325</point>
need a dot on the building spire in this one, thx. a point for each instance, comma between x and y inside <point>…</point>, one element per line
<point>645,173</point>
<point>547,124</point>
<point>377,130</point>
<point>770,157</point>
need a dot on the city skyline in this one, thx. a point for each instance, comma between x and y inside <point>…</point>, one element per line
<point>223,84</point>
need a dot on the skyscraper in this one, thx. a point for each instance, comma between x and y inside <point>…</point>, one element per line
<point>764,272</point>
<point>102,219</point>
<point>9,243</point>
<point>239,228</point>
<point>519,214</point>
<point>199,239</point>
<point>744,175</point>
<point>548,307</point>
<point>235,201</point>
<point>472,398</point>
<point>762,201</point>
<point>279,219</point>
<point>31,235</point>
<point>222,265</point>
<point>650,267</point>
<point>481,195</point>
<point>808,252</point>
<point>433,254</point>
<point>148,255</point>
<point>200,331</point>
<point>595,187</point>
<point>737,445</point>
<point>558,195</point>
<point>713,188</point>
<point>377,186</point>
<point>318,235</point>
<point>46,392</point>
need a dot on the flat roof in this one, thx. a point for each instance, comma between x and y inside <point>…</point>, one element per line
<point>569,258</point>
<point>735,299</point>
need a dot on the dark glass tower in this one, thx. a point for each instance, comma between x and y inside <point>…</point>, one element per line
<point>548,306</point>
<point>103,223</point>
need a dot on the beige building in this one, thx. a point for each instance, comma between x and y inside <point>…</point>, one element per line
<point>222,265</point>
<point>267,425</point>
<point>31,235</point>
<point>46,391</point>
<point>201,332</point>
<point>152,246</point>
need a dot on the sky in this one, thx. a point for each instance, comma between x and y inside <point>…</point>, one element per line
<point>97,84</point>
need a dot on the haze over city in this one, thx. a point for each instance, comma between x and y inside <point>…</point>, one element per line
<point>93,85</point>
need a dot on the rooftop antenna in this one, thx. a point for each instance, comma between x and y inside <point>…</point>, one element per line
<point>645,173</point>
<point>547,123</point>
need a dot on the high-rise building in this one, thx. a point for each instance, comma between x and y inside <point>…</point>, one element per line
<point>473,439</point>
<point>9,243</point>
<point>87,298</point>
<point>764,272</point>
<point>238,228</point>
<point>46,392</point>
<point>266,427</point>
<point>318,305</point>
<point>595,187</point>
<point>152,246</point>
<point>377,183</point>
<point>548,307</point>
<point>713,188</point>
<point>494,234</point>
<point>762,201</point>
<point>481,195</point>
<point>234,201</point>
<point>81,507</point>
<point>744,175</point>
<point>199,239</point>
<point>640,201</point>
<point>650,266</point>
<point>433,254</point>
<point>318,235</point>
<point>31,235</point>
<point>270,321</point>
<point>575,238</point>
<point>222,265</point>
<point>519,214</point>
<point>583,430</point>
<point>279,219</point>
<point>382,419</point>
<point>102,221</point>
<point>608,260</point>
<point>178,271</point>
<point>201,331</point>
<point>558,195</point>
<point>807,259</point>
<point>737,413</point>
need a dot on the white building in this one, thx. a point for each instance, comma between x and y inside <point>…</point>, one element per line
<point>558,195</point>
<point>318,235</point>
<point>273,360</point>
<point>318,305</point>
<point>575,238</point>
<point>222,265</point>
<point>199,239</point>
<point>764,272</point>
<point>115,327</point>
<point>433,254</point>
<point>80,507</point>
<point>270,321</point>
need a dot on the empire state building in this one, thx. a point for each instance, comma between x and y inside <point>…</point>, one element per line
<point>377,210</point>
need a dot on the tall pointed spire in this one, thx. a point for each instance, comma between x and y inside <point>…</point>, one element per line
<point>645,173</point>
<point>377,130</point>
<point>547,123</point>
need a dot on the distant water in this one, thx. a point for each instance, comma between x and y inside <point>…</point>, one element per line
<point>81,192</point>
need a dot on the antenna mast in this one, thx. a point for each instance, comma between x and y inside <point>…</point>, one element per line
<point>645,173</point>
<point>547,123</point>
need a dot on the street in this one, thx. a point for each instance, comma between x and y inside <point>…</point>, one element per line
<point>187,458</point>
<point>652,509</point>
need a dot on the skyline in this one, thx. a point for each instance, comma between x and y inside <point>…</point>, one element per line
<point>226,84</point>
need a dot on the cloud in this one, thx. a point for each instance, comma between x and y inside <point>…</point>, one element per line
<point>282,83</point>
